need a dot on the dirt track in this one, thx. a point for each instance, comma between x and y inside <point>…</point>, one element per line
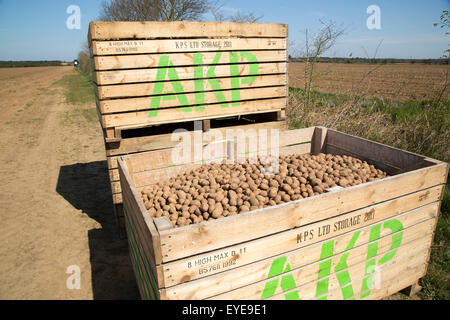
<point>55,203</point>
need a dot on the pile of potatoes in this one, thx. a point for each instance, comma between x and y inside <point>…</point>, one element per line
<point>213,191</point>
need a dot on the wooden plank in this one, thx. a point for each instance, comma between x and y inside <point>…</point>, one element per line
<point>318,143</point>
<point>188,113</point>
<point>117,198</point>
<point>303,252</point>
<point>307,276</point>
<point>375,151</point>
<point>114,175</point>
<point>100,30</point>
<point>246,278</point>
<point>101,48</point>
<point>147,234</point>
<point>152,160</point>
<point>151,177</point>
<point>147,88</point>
<point>188,240</point>
<point>389,169</point>
<point>115,187</point>
<point>186,73</point>
<point>142,266</point>
<point>137,104</point>
<point>397,283</point>
<point>182,59</point>
<point>112,162</point>
<point>162,223</point>
<point>162,141</point>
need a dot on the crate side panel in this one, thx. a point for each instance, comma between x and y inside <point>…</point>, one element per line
<point>233,272</point>
<point>316,280</point>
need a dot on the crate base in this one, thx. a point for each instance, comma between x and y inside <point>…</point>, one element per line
<point>412,289</point>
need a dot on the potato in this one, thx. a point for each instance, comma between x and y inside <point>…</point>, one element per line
<point>218,190</point>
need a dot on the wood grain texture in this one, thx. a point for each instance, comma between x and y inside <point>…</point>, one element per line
<point>178,59</point>
<point>183,73</point>
<point>99,30</point>
<point>119,47</point>
<point>146,89</point>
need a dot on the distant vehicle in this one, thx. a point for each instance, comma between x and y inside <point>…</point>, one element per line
<point>76,63</point>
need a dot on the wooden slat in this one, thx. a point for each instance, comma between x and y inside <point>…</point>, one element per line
<point>147,234</point>
<point>252,260</point>
<point>375,151</point>
<point>112,162</point>
<point>151,177</point>
<point>180,114</point>
<point>180,59</point>
<point>184,73</point>
<point>415,223</point>
<point>145,89</point>
<point>114,175</point>
<point>99,30</point>
<point>117,198</point>
<point>100,48</point>
<point>306,277</point>
<point>162,141</point>
<point>152,160</point>
<point>188,240</point>
<point>137,104</point>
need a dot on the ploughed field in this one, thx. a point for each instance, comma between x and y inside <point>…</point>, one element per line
<point>402,81</point>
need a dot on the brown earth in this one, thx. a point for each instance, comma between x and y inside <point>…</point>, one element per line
<point>55,202</point>
<point>394,81</point>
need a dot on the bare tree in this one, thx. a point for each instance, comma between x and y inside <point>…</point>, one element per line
<point>216,8</point>
<point>244,17</point>
<point>315,47</point>
<point>84,58</point>
<point>153,10</point>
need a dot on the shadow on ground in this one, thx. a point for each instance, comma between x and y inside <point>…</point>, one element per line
<point>86,187</point>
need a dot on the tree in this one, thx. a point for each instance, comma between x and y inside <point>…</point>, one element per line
<point>84,58</point>
<point>444,24</point>
<point>315,47</point>
<point>153,10</point>
<point>216,9</point>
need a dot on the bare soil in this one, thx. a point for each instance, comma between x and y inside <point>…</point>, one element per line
<point>403,81</point>
<point>55,200</point>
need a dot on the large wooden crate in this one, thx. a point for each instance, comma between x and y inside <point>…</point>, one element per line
<point>363,242</point>
<point>151,74</point>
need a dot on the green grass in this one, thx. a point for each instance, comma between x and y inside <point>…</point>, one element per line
<point>78,88</point>
<point>78,91</point>
<point>421,127</point>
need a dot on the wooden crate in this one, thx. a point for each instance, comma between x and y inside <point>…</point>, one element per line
<point>156,73</point>
<point>363,242</point>
<point>164,72</point>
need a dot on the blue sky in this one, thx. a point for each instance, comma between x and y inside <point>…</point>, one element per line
<point>36,29</point>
